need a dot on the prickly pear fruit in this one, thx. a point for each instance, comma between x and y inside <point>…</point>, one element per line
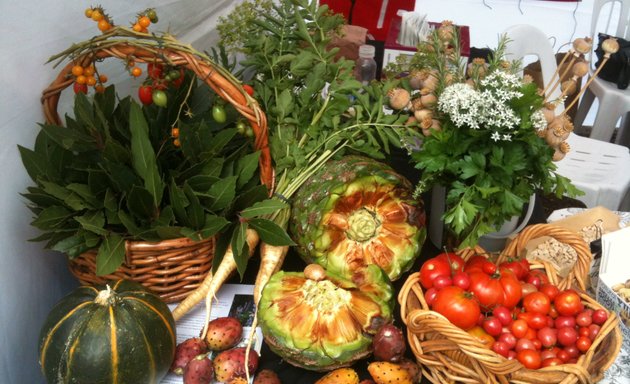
<point>366,381</point>
<point>413,368</point>
<point>231,363</point>
<point>237,380</point>
<point>389,344</point>
<point>223,333</point>
<point>340,376</point>
<point>186,351</point>
<point>384,372</point>
<point>267,376</point>
<point>199,370</point>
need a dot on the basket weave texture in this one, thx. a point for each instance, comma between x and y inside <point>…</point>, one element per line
<point>448,354</point>
<point>170,268</point>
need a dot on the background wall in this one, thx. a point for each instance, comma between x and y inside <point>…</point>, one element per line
<point>32,280</point>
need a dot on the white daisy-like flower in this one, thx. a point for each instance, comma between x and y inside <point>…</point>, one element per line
<point>496,136</point>
<point>538,120</point>
<point>507,137</point>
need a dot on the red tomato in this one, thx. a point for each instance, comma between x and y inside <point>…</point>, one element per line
<point>537,277</point>
<point>79,88</point>
<point>600,316</point>
<point>430,295</point>
<point>524,343</point>
<point>431,269</point>
<point>249,89</point>
<point>583,343</point>
<point>547,337</point>
<point>479,263</point>
<point>534,320</point>
<point>568,303</point>
<point>520,268</point>
<point>529,358</point>
<point>553,312</point>
<point>572,351</point>
<point>584,318</point>
<point>549,353</point>
<point>567,336</point>
<point>583,331</point>
<point>155,70</point>
<point>551,362</point>
<point>527,288</point>
<point>503,314</point>
<point>458,306</point>
<point>492,326</point>
<point>564,321</point>
<point>563,355</point>
<point>519,328</point>
<point>550,290</point>
<point>497,289</point>
<point>501,348</point>
<point>480,335</point>
<point>537,302</point>
<point>145,94</point>
<point>508,339</point>
<point>593,331</point>
<point>454,260</point>
<point>442,281</point>
<point>461,280</point>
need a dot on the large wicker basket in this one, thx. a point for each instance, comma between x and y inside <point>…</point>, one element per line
<point>448,354</point>
<point>170,268</point>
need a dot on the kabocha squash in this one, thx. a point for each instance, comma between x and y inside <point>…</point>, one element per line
<point>115,334</point>
<point>356,211</point>
<point>320,321</point>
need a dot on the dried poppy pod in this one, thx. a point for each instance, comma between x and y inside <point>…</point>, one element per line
<point>477,68</point>
<point>427,98</point>
<point>528,79</point>
<point>411,120</point>
<point>446,31</point>
<point>416,78</point>
<point>583,45</point>
<point>422,114</point>
<point>569,87</point>
<point>399,98</point>
<point>432,81</point>
<point>580,69</point>
<point>542,133</point>
<point>416,105</point>
<point>549,112</point>
<point>555,132</point>
<point>610,46</point>
<point>561,150</point>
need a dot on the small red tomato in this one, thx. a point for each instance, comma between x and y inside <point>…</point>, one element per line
<point>442,282</point>
<point>551,362</point>
<point>547,337</point>
<point>563,355</point>
<point>429,296</point>
<point>583,343</point>
<point>501,348</point>
<point>503,314</point>
<point>567,336</point>
<point>568,303</point>
<point>583,331</point>
<point>481,336</point>
<point>593,331</point>
<point>145,94</point>
<point>461,279</point>
<point>550,290</point>
<point>527,288</point>
<point>572,351</point>
<point>249,89</point>
<point>519,328</point>
<point>80,88</point>
<point>455,261</point>
<point>522,344</point>
<point>549,353</point>
<point>492,326</point>
<point>155,70</point>
<point>600,316</point>
<point>564,321</point>
<point>529,358</point>
<point>508,339</point>
<point>431,269</point>
<point>537,302</point>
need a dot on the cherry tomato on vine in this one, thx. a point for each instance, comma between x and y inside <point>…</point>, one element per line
<point>249,89</point>
<point>159,98</point>
<point>80,88</point>
<point>145,94</point>
<point>218,113</point>
<point>431,269</point>
<point>144,21</point>
<point>135,71</point>
<point>154,70</point>
<point>77,70</point>
<point>152,15</point>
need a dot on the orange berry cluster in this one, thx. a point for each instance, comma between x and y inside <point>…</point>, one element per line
<point>87,76</point>
<point>98,14</point>
<point>144,19</point>
<point>175,136</point>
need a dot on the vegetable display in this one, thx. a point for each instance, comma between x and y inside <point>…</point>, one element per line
<point>116,334</point>
<point>354,212</point>
<point>322,321</point>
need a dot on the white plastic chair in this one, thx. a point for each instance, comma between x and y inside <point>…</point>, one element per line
<point>613,102</point>
<point>599,168</point>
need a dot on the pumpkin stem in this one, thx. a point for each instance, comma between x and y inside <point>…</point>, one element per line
<point>105,296</point>
<point>363,225</point>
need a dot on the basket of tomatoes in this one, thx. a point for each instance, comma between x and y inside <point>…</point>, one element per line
<point>476,317</point>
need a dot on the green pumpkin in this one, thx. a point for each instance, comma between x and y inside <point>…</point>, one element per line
<point>355,212</point>
<point>324,323</point>
<point>119,334</point>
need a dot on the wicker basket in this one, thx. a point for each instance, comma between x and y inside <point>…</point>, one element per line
<point>170,268</point>
<point>448,354</point>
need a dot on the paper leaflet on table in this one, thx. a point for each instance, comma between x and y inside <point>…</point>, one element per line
<point>234,300</point>
<point>414,28</point>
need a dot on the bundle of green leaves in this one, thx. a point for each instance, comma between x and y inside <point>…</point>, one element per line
<point>316,108</point>
<point>113,173</point>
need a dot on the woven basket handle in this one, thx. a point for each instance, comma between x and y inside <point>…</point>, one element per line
<point>205,70</point>
<point>579,273</point>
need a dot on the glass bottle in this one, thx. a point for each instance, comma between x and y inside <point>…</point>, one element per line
<point>365,68</point>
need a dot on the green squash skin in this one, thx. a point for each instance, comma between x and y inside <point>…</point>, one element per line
<point>297,350</point>
<point>321,191</point>
<point>75,341</point>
